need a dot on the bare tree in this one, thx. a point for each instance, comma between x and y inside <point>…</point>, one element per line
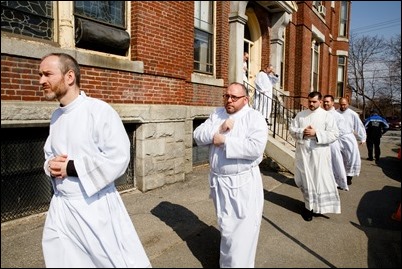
<point>365,52</point>
<point>393,80</point>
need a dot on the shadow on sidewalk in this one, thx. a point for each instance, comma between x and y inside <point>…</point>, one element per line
<point>383,233</point>
<point>284,201</point>
<point>202,240</point>
<point>388,165</point>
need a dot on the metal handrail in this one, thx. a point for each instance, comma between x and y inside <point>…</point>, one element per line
<point>282,113</point>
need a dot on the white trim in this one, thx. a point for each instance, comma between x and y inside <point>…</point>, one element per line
<point>342,53</point>
<point>34,49</point>
<point>317,35</point>
<point>206,79</point>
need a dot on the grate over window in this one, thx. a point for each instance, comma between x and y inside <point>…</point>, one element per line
<point>108,12</point>
<point>25,189</point>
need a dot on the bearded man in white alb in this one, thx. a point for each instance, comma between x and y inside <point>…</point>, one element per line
<point>87,225</point>
<point>314,129</point>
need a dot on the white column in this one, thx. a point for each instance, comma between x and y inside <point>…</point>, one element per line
<point>64,19</point>
<point>279,22</point>
<point>237,20</point>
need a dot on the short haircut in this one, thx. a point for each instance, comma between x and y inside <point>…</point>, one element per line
<point>67,63</point>
<point>241,85</point>
<point>329,96</point>
<point>314,94</point>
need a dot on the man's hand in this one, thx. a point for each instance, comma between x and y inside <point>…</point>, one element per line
<point>309,131</point>
<point>219,139</point>
<point>226,126</point>
<point>58,166</point>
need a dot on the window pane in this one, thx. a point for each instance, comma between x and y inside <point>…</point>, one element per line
<point>203,51</point>
<point>343,18</point>
<point>315,82</point>
<point>100,26</point>
<point>344,10</point>
<point>339,90</point>
<point>30,18</point>
<point>341,69</point>
<point>206,11</point>
<point>315,64</point>
<point>340,76</point>
<point>203,15</point>
<point>110,12</point>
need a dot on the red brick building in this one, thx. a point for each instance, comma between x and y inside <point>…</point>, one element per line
<point>164,64</point>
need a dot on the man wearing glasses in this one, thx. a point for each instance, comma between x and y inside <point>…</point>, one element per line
<point>236,135</point>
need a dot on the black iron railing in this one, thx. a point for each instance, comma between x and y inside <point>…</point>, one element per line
<point>283,109</point>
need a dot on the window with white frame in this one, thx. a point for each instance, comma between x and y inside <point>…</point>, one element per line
<point>315,57</point>
<point>343,18</point>
<point>203,36</point>
<point>340,76</point>
<point>28,18</point>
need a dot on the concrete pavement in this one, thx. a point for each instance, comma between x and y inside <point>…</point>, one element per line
<point>177,224</point>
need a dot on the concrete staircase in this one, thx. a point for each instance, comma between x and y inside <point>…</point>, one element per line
<point>280,152</point>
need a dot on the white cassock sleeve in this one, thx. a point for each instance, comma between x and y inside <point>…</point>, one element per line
<point>91,133</point>
<point>330,133</point>
<point>204,134</point>
<point>251,146</point>
<point>112,156</point>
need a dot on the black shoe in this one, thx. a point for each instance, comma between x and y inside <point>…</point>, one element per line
<point>307,215</point>
<point>369,159</point>
<point>317,214</point>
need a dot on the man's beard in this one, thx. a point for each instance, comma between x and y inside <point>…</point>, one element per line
<point>57,92</point>
<point>50,96</point>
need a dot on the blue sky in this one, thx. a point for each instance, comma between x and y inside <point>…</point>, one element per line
<point>382,18</point>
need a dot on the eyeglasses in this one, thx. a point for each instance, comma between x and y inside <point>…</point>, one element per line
<point>234,97</point>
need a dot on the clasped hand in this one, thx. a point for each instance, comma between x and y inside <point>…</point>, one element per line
<point>309,131</point>
<point>58,166</point>
<point>226,126</point>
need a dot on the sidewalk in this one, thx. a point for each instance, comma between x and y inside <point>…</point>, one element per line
<point>177,223</point>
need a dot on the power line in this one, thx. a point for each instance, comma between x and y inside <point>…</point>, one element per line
<point>377,24</point>
<point>372,29</point>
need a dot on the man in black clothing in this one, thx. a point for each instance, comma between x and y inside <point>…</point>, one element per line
<point>376,126</point>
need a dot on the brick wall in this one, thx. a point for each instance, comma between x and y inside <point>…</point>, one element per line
<point>162,38</point>
<point>20,79</point>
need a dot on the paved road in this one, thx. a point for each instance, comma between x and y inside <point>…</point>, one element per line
<point>177,224</point>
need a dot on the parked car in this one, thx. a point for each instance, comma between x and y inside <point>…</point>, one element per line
<point>394,123</point>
